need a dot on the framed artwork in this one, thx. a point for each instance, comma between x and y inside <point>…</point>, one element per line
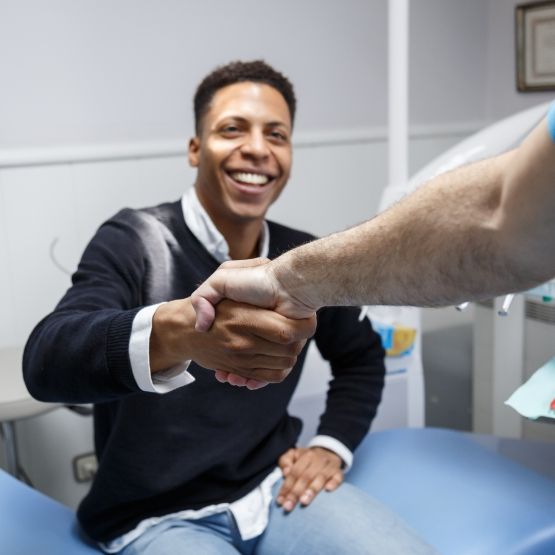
<point>535,46</point>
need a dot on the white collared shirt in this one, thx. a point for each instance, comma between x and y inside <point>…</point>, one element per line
<point>251,511</point>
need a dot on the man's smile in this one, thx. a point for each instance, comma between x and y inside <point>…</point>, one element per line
<point>250,182</point>
<point>250,178</point>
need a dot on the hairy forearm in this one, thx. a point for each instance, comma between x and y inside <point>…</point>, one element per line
<point>469,234</point>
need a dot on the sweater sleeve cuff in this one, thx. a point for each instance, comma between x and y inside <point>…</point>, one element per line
<point>139,356</point>
<point>332,444</point>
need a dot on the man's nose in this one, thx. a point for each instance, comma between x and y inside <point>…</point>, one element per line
<point>255,145</point>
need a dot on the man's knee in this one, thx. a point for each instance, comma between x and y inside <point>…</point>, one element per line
<point>348,520</point>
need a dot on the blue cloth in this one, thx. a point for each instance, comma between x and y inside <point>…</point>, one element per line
<point>344,521</point>
<point>551,121</point>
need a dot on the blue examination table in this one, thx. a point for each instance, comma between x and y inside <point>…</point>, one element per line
<point>458,495</point>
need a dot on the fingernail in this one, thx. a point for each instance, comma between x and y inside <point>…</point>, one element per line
<point>279,499</point>
<point>288,505</point>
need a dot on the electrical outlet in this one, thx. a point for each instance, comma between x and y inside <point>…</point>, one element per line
<point>85,467</point>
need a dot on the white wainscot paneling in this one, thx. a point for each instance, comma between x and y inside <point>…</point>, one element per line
<point>7,335</point>
<point>333,187</point>
<point>47,445</point>
<point>36,210</point>
<point>103,188</point>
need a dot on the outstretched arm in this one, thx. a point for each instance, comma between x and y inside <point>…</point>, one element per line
<point>479,231</point>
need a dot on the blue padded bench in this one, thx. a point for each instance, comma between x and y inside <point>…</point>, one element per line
<point>33,524</point>
<point>458,495</point>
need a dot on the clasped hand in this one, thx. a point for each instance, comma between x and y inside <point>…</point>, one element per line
<point>253,283</point>
<point>246,345</point>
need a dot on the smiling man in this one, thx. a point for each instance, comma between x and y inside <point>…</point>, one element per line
<point>188,465</point>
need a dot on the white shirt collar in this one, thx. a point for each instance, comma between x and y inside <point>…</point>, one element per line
<point>203,228</point>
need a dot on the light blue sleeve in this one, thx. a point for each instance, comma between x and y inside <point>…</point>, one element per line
<point>551,121</point>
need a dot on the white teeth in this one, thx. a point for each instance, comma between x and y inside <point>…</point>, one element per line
<point>250,178</point>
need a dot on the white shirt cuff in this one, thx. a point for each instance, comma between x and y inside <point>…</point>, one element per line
<point>332,444</point>
<point>139,355</point>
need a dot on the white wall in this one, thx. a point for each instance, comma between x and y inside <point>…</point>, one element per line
<point>125,70</point>
<point>118,71</point>
<point>96,71</point>
<point>447,62</point>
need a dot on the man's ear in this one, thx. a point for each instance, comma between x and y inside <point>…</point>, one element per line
<point>194,152</point>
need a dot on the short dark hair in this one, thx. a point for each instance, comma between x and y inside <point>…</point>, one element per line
<point>256,71</point>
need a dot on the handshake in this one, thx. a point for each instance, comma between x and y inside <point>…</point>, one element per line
<point>248,321</point>
<point>267,323</point>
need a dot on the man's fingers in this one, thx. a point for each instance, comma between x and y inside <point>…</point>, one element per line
<point>235,379</point>
<point>253,378</point>
<point>284,330</point>
<point>313,489</point>
<point>253,384</point>
<point>295,482</point>
<point>250,383</point>
<point>335,481</point>
<point>287,460</point>
<point>239,282</point>
<point>221,376</point>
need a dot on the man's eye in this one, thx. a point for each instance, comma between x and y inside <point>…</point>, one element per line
<point>230,129</point>
<point>279,136</point>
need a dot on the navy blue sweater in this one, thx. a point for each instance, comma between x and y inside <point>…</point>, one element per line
<point>200,444</point>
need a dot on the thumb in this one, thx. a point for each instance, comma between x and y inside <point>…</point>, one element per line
<point>203,301</point>
<point>212,291</point>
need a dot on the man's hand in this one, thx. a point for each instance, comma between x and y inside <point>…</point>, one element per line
<point>307,472</point>
<point>247,281</point>
<point>244,341</point>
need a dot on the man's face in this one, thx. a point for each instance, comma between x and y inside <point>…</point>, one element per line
<point>243,153</point>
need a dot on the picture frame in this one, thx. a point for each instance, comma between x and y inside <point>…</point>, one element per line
<point>535,46</point>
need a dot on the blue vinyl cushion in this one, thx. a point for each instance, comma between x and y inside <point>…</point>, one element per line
<point>33,524</point>
<point>459,496</point>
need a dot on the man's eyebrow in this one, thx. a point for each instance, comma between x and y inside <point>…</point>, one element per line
<point>233,117</point>
<point>241,119</point>
<point>278,124</point>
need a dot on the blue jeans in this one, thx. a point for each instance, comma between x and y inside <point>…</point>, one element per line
<point>346,521</point>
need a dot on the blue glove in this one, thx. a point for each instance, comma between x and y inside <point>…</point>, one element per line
<point>551,121</point>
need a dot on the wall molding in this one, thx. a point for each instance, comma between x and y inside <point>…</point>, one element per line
<point>134,150</point>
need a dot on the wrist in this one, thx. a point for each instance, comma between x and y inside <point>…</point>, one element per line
<point>172,324</point>
<point>291,285</point>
